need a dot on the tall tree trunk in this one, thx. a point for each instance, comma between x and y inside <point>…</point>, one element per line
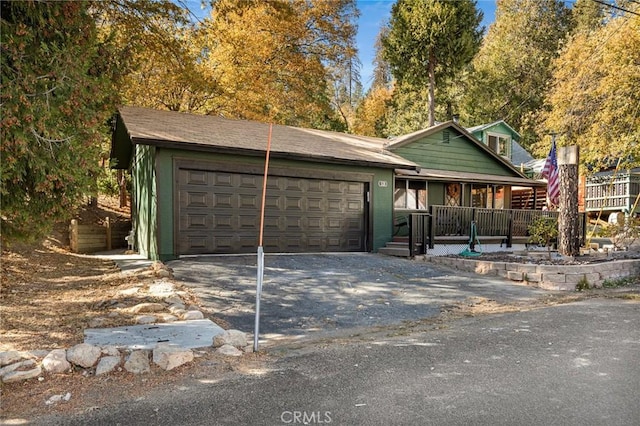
<point>432,86</point>
<point>122,186</point>
<point>568,223</point>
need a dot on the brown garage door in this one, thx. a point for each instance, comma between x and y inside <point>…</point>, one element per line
<point>219,212</point>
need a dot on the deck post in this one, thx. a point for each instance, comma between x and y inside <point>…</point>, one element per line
<point>510,229</point>
<point>432,228</point>
<point>425,230</point>
<point>412,238</point>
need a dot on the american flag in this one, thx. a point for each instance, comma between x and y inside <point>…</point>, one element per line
<point>550,172</point>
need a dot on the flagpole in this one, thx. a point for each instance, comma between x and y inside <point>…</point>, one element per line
<point>260,274</point>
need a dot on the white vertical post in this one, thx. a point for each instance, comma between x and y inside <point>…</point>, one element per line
<point>260,274</point>
<point>256,333</point>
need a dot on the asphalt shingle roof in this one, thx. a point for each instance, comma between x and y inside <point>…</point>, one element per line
<point>211,133</point>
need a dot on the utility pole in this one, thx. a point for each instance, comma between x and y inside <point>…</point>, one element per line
<point>568,223</point>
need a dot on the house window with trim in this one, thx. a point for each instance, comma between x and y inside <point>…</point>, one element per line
<point>498,197</point>
<point>410,194</point>
<point>487,196</point>
<point>500,144</point>
<point>452,194</point>
<point>480,196</point>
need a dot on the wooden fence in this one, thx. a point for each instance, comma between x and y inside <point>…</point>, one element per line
<point>94,238</point>
<point>528,198</point>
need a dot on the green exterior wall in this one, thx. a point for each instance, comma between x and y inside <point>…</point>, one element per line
<point>381,201</point>
<point>499,128</point>
<point>460,155</point>
<point>144,200</point>
<point>435,194</point>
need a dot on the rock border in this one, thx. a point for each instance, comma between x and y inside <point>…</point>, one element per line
<point>18,366</point>
<point>548,277</point>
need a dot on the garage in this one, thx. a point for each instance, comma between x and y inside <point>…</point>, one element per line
<point>196,185</point>
<point>219,212</point>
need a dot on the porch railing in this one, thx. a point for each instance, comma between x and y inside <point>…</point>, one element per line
<point>424,228</point>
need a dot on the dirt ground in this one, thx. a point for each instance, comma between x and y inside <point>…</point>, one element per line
<point>48,296</point>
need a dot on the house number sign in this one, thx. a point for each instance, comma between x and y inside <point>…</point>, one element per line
<point>382,183</point>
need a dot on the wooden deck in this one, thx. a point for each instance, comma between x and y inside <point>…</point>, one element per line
<point>452,225</point>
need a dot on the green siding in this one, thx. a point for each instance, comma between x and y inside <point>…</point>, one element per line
<point>165,200</point>
<point>500,128</point>
<point>460,155</point>
<point>436,193</point>
<point>466,195</point>
<point>381,219</point>
<point>145,201</point>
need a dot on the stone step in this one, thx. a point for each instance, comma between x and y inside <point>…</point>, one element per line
<point>395,251</point>
<point>397,239</point>
<point>397,244</point>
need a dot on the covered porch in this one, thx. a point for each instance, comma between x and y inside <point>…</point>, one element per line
<point>434,211</point>
<point>446,230</point>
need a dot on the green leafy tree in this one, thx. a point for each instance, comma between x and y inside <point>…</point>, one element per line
<point>57,97</point>
<point>370,114</point>
<point>429,40</point>
<point>63,64</point>
<point>382,76</point>
<point>173,79</point>
<point>275,60</point>
<point>587,15</point>
<point>511,70</point>
<point>346,91</point>
<point>370,119</point>
<point>594,101</point>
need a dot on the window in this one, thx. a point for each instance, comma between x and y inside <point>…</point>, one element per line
<point>410,194</point>
<point>452,196</point>
<point>445,136</point>
<point>400,195</point>
<point>500,144</point>
<point>479,196</point>
<point>487,196</point>
<point>498,197</point>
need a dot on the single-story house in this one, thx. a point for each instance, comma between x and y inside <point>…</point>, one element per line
<point>197,183</point>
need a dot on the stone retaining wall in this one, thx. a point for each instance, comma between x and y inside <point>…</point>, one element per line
<point>549,277</point>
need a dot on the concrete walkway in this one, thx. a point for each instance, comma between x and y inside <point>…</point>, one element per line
<point>125,261</point>
<point>184,334</point>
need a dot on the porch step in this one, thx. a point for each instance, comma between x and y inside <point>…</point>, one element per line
<point>395,251</point>
<point>396,248</point>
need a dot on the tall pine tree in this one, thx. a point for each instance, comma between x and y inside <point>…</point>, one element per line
<point>428,41</point>
<point>57,97</point>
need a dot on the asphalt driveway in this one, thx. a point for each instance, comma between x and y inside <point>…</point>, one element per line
<point>303,294</point>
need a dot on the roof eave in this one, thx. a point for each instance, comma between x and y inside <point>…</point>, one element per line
<point>274,154</point>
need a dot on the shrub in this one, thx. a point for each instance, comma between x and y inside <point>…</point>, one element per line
<point>542,231</point>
